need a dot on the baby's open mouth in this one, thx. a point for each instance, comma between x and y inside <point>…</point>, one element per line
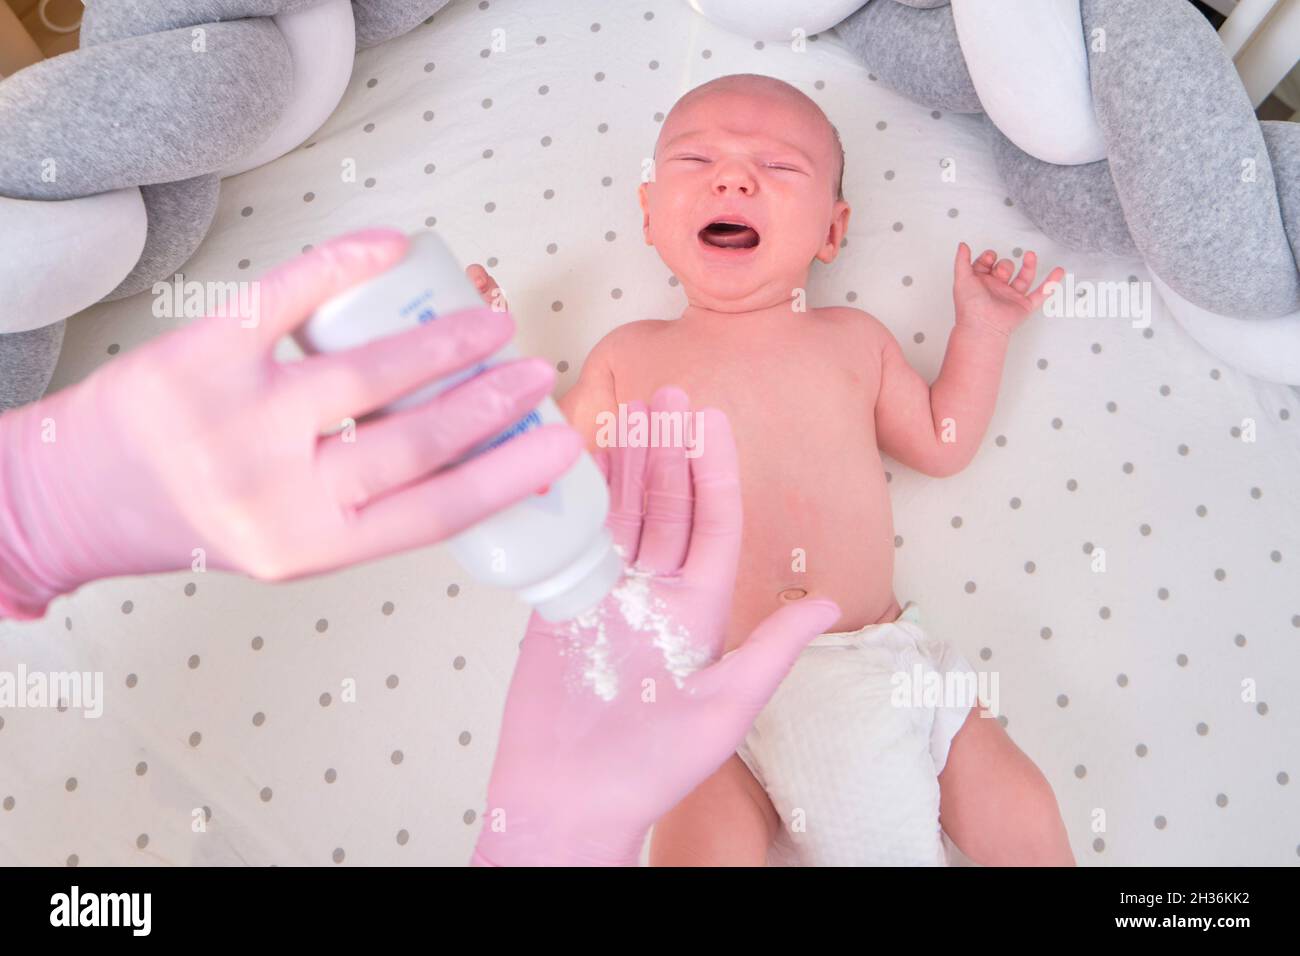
<point>726,234</point>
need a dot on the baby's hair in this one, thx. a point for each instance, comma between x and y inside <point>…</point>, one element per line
<point>734,77</point>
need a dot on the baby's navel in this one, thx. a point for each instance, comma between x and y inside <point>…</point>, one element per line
<point>792,594</point>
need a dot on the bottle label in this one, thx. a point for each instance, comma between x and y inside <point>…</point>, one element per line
<point>532,420</point>
<point>422,306</point>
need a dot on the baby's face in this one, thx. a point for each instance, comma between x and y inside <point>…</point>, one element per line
<point>743,195</point>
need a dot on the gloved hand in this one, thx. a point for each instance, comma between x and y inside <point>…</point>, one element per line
<point>199,446</point>
<point>613,718</point>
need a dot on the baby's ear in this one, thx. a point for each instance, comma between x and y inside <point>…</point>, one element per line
<point>643,196</point>
<point>840,213</point>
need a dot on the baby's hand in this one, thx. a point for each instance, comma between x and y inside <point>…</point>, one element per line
<point>986,295</point>
<point>487,287</point>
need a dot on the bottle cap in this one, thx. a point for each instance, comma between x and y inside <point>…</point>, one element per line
<point>579,587</point>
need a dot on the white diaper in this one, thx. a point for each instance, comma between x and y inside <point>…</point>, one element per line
<point>850,754</point>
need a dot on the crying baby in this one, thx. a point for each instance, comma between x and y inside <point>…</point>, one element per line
<point>747,193</point>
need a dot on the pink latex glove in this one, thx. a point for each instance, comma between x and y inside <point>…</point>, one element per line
<point>200,446</point>
<point>610,722</point>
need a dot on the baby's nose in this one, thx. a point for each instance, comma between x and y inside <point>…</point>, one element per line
<point>733,178</point>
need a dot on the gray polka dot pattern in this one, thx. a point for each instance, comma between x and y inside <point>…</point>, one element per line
<point>507,180</point>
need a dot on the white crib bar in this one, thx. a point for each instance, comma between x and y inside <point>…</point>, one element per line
<point>1263,39</point>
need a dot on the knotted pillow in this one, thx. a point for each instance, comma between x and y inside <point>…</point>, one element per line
<point>1119,126</point>
<point>113,153</point>
<point>1191,180</point>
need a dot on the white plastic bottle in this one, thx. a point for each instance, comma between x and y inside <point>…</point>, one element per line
<point>552,548</point>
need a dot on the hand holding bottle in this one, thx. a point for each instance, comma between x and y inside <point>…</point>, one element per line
<point>200,445</point>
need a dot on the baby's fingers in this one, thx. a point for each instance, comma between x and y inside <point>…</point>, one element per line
<point>487,287</point>
<point>984,263</point>
<point>962,264</point>
<point>1028,269</point>
<point>1039,295</point>
<point>1004,269</point>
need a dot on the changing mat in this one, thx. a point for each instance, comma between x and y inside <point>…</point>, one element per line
<point>1124,553</point>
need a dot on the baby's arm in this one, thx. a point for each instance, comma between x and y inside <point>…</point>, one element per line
<point>592,394</point>
<point>726,821</point>
<point>937,428</point>
<point>995,804</point>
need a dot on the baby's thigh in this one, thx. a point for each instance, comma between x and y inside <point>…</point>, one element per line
<point>726,821</point>
<point>995,803</point>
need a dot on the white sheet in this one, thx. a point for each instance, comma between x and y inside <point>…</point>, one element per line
<point>452,655</point>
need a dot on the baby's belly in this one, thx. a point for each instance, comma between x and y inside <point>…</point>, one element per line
<point>824,531</point>
<point>816,503</point>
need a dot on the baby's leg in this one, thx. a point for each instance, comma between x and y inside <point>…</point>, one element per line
<point>995,804</point>
<point>726,821</point>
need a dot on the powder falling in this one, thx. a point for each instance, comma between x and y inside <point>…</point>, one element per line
<point>643,612</point>
<point>597,673</point>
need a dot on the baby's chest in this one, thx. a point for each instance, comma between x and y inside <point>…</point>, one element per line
<point>813,389</point>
